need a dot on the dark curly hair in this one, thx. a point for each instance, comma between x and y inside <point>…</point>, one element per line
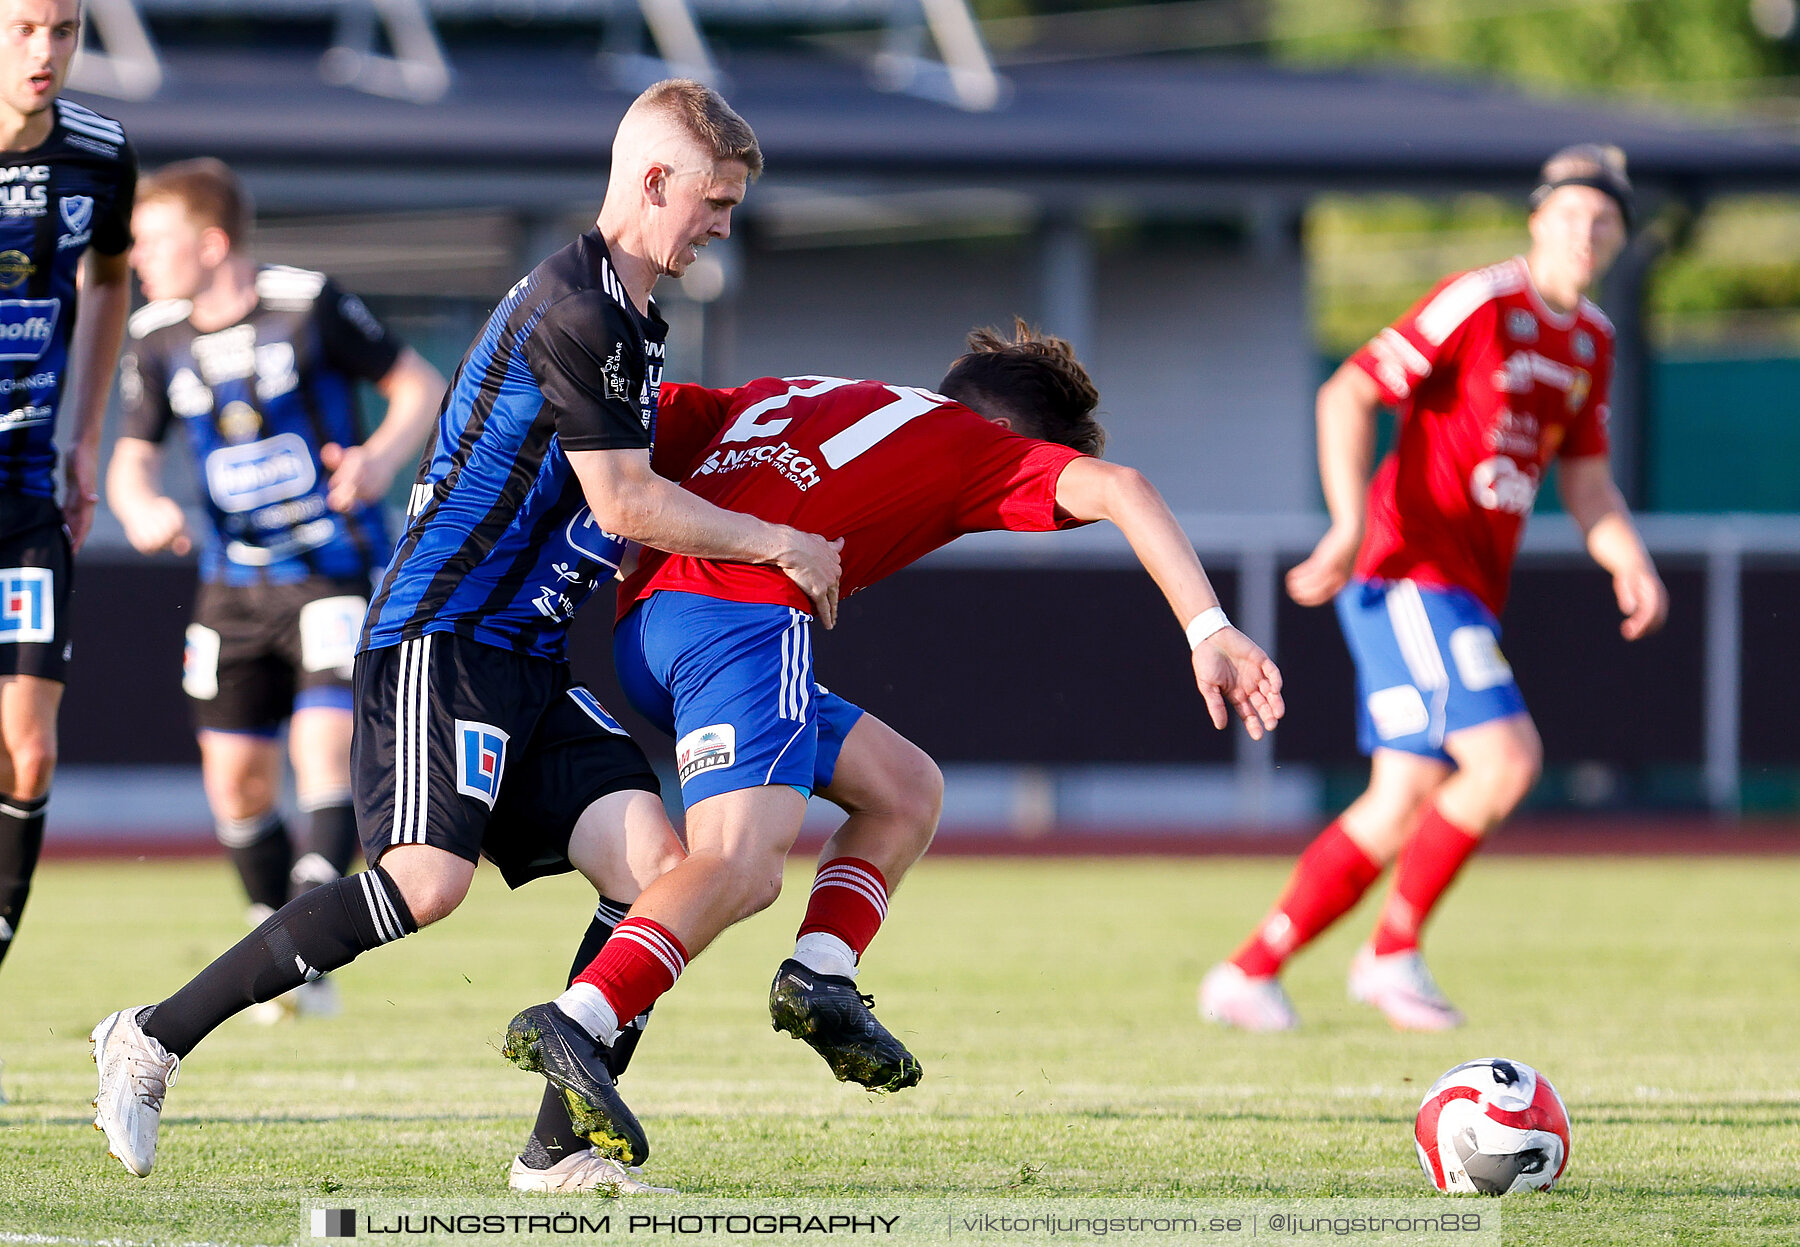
<point>1033,379</point>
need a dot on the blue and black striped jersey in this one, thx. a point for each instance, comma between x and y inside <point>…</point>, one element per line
<point>72,192</point>
<point>257,400</point>
<point>500,546</point>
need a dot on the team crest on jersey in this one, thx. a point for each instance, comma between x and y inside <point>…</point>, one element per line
<point>27,606</point>
<point>618,385</point>
<point>1581,342</point>
<point>1521,325</point>
<point>1579,384</point>
<point>705,749</point>
<point>15,268</point>
<point>77,211</point>
<point>480,760</point>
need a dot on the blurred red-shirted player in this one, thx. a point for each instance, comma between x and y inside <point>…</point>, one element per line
<point>1495,373</point>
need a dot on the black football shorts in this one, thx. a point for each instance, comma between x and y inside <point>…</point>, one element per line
<point>482,752</point>
<point>257,653</point>
<point>35,579</point>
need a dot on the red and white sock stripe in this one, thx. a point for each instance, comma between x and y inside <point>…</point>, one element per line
<point>849,900</point>
<point>639,963</point>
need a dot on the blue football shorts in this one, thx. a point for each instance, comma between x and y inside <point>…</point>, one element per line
<point>732,682</point>
<point>1428,663</point>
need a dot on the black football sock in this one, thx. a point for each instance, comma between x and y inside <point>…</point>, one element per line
<point>311,935</point>
<point>328,848</point>
<point>553,1137</point>
<point>261,852</point>
<point>21,838</point>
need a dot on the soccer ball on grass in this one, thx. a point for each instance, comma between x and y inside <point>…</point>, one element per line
<point>1492,1127</point>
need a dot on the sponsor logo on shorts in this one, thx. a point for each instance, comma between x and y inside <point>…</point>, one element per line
<point>705,749</point>
<point>200,663</point>
<point>1398,711</point>
<point>591,707</point>
<point>480,760</point>
<point>27,606</point>
<point>1479,663</point>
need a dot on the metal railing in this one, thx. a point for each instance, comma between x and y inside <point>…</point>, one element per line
<point>1260,547</point>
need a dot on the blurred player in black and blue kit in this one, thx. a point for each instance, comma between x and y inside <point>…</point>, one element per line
<point>259,365</point>
<point>66,181</point>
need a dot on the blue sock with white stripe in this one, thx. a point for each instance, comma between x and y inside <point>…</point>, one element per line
<point>312,934</point>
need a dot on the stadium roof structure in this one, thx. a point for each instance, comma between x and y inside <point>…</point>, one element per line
<point>519,126</point>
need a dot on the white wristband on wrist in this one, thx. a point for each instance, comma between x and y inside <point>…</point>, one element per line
<point>1205,624</point>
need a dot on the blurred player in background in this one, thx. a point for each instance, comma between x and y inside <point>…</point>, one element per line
<point>719,655</point>
<point>66,180</point>
<point>260,365</point>
<point>1496,372</point>
<point>472,737</point>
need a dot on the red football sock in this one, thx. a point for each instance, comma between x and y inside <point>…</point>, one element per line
<point>1427,866</point>
<point>639,963</point>
<point>849,900</point>
<point>1328,880</point>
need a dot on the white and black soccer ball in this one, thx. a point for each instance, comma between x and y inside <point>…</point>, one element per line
<point>1492,1127</point>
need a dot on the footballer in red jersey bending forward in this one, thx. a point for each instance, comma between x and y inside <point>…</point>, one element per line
<point>720,656</point>
<point>1495,373</point>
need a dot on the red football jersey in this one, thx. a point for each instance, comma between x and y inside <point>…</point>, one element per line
<point>895,471</point>
<point>1491,384</point>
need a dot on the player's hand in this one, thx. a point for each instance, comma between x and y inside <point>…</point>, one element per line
<point>1642,600</point>
<point>158,525</point>
<point>357,477</point>
<point>81,475</point>
<point>812,562</point>
<point>1327,569</point>
<point>1231,669</point>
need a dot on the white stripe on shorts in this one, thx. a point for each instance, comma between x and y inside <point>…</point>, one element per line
<point>1419,649</point>
<point>412,741</point>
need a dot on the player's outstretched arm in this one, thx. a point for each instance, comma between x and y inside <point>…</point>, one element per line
<point>1592,499</point>
<point>105,285</point>
<point>414,391</point>
<point>1346,424</point>
<point>1230,669</point>
<point>630,500</point>
<point>153,522</point>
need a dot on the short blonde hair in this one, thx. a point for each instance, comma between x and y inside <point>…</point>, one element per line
<point>707,118</point>
<point>207,190</point>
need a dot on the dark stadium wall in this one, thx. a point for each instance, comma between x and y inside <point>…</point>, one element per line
<point>1028,665</point>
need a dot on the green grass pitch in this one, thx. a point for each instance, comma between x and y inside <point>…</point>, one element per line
<point>1051,1001</point>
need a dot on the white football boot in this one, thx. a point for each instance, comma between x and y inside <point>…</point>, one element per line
<point>1402,988</point>
<point>1230,997</point>
<point>135,1073</point>
<point>583,1171</point>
